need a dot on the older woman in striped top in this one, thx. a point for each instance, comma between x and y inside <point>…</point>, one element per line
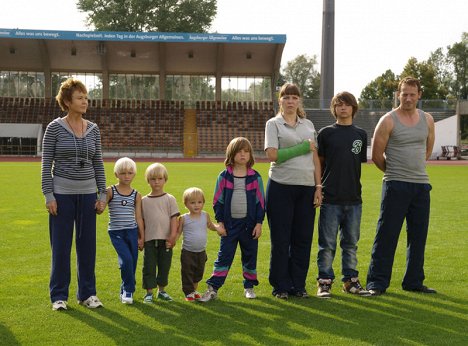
<point>74,186</point>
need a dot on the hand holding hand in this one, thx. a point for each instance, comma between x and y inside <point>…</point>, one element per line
<point>318,197</point>
<point>221,230</point>
<point>100,206</point>
<point>257,231</point>
<point>170,242</point>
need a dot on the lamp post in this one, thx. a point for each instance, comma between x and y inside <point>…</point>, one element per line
<point>327,62</point>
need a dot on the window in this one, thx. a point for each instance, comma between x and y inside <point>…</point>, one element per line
<point>92,81</point>
<point>21,84</point>
<point>190,88</point>
<point>134,86</point>
<point>235,88</point>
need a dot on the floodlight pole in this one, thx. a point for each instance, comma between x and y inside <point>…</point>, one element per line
<point>327,62</point>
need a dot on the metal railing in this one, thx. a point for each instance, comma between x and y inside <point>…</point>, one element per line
<point>386,104</point>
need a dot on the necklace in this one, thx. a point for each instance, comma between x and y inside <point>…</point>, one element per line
<point>71,128</point>
<point>83,139</point>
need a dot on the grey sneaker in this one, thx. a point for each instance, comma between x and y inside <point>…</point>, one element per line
<point>249,293</point>
<point>148,298</point>
<point>324,288</point>
<point>164,296</point>
<point>353,286</point>
<point>210,294</point>
<point>59,305</point>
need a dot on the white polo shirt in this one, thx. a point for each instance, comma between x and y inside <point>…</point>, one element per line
<point>300,169</point>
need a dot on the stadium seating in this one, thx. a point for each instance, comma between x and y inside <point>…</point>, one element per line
<point>219,122</point>
<point>126,125</point>
<point>157,127</point>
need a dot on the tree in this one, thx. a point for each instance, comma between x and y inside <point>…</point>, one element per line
<point>280,80</point>
<point>442,76</point>
<point>301,72</point>
<point>380,89</point>
<point>261,91</point>
<point>149,15</point>
<point>458,56</point>
<point>426,74</point>
<point>443,71</point>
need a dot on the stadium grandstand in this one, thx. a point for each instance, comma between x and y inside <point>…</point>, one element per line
<point>152,94</point>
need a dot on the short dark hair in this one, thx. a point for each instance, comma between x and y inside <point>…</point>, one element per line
<point>344,97</point>
<point>410,81</point>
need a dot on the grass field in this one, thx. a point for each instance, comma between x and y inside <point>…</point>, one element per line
<point>396,318</point>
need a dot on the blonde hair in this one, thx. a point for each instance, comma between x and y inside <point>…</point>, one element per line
<point>236,145</point>
<point>191,193</point>
<point>156,170</point>
<point>292,89</point>
<point>66,91</point>
<point>124,164</point>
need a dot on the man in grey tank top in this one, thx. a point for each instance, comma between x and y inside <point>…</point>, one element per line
<point>403,141</point>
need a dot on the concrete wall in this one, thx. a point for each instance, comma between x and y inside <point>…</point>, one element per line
<point>445,134</point>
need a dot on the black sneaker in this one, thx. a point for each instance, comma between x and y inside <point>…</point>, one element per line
<point>422,289</point>
<point>324,288</point>
<point>376,292</point>
<point>301,294</point>
<point>282,295</point>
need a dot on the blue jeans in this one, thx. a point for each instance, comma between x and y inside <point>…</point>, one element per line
<point>400,201</point>
<point>125,242</point>
<point>74,212</point>
<point>346,219</point>
<point>291,216</point>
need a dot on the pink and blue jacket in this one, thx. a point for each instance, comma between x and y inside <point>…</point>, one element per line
<point>255,197</point>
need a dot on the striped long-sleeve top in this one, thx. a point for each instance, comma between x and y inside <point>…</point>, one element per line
<point>70,164</point>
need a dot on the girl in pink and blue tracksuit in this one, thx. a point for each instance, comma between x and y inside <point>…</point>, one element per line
<point>239,207</point>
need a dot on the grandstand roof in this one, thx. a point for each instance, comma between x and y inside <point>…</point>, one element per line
<point>141,52</point>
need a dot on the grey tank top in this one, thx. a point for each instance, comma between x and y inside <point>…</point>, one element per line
<point>406,151</point>
<point>195,233</point>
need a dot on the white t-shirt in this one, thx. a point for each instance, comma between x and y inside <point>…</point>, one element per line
<point>157,214</point>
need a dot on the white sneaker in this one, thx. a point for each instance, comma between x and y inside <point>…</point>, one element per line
<point>324,288</point>
<point>126,297</point>
<point>59,305</point>
<point>210,294</point>
<point>92,302</point>
<point>249,293</point>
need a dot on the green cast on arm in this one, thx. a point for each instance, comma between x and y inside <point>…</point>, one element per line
<point>297,150</point>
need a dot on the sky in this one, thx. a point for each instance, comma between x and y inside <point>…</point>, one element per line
<point>371,36</point>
